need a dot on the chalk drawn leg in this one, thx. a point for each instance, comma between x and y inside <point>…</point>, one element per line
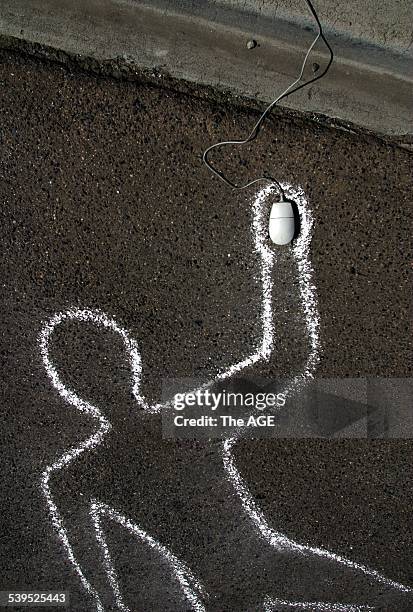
<point>82,525</point>
<point>59,524</point>
<point>192,590</point>
<point>274,605</point>
<point>75,528</point>
<point>314,570</point>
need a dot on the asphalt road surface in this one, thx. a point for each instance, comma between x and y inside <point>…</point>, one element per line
<point>108,210</point>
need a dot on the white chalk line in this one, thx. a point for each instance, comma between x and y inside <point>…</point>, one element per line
<point>263,352</point>
<point>190,586</point>
<point>96,510</point>
<point>271,605</point>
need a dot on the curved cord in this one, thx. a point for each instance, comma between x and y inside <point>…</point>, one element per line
<point>290,89</point>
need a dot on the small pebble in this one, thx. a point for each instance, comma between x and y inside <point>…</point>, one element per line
<point>251,44</point>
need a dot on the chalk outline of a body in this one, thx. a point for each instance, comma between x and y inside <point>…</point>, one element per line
<point>191,587</point>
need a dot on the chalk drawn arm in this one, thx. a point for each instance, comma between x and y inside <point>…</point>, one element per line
<point>309,305</point>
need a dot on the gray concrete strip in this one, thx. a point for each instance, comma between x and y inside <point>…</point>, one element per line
<point>369,86</point>
<point>386,24</point>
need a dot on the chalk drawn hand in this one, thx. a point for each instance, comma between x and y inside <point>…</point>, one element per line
<point>223,533</point>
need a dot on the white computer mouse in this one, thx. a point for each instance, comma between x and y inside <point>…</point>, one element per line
<point>282,223</point>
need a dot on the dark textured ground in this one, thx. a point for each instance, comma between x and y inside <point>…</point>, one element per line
<point>105,204</point>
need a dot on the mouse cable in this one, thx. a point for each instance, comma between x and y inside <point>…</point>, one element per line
<point>295,86</point>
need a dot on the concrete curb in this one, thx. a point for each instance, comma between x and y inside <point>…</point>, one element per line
<point>369,86</point>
